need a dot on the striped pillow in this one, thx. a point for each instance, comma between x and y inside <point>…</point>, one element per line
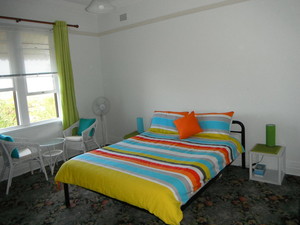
<point>163,121</point>
<point>216,123</point>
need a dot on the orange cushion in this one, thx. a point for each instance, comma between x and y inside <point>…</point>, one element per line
<point>187,126</point>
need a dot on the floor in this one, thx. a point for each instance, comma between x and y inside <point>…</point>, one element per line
<point>230,200</point>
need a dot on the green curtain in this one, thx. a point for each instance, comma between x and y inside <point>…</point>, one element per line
<point>65,73</point>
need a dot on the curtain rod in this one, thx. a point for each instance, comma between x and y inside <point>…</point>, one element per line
<point>33,21</point>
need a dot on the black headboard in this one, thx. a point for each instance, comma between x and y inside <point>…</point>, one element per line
<point>241,131</point>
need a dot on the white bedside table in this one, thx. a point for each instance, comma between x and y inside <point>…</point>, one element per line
<point>273,176</point>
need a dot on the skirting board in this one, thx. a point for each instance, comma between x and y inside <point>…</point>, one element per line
<point>293,168</point>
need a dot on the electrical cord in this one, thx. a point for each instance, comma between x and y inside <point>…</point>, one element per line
<point>254,164</point>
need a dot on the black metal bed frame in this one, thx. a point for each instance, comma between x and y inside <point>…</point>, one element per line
<point>241,132</point>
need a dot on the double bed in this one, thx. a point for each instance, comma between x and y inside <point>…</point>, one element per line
<point>156,170</point>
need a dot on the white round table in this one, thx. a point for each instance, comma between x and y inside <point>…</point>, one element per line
<point>52,154</point>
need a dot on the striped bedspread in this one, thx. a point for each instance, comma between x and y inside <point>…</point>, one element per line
<point>157,172</point>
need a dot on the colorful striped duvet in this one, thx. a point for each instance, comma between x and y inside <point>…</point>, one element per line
<point>157,172</point>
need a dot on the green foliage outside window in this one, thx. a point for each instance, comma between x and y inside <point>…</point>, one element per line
<point>41,107</point>
<point>7,113</point>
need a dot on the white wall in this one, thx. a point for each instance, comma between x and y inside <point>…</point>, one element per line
<point>242,57</point>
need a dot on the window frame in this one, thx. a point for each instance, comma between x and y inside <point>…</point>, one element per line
<point>20,90</point>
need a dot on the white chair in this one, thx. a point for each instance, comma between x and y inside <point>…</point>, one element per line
<point>28,153</point>
<point>84,142</point>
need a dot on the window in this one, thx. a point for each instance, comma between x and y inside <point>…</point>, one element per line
<point>29,90</point>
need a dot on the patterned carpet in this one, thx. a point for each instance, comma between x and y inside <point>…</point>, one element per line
<point>232,200</point>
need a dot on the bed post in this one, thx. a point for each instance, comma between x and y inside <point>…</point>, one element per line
<point>243,140</point>
<point>67,198</point>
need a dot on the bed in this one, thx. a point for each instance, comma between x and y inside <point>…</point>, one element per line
<point>156,170</point>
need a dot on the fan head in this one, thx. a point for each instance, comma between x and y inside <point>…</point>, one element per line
<point>101,106</point>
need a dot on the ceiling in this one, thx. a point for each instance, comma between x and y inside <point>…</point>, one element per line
<point>82,2</point>
<point>118,3</point>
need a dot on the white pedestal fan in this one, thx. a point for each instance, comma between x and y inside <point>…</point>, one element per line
<point>101,107</point>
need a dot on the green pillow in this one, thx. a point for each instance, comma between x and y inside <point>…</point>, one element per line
<point>15,152</point>
<point>84,124</point>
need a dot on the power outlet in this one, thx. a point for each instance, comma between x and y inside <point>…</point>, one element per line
<point>123,17</point>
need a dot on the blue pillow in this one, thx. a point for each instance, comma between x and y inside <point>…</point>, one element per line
<point>15,152</point>
<point>163,121</point>
<point>84,124</point>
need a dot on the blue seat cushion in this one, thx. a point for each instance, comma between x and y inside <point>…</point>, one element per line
<point>15,152</point>
<point>84,124</point>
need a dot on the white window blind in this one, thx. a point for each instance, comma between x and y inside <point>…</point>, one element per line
<point>29,87</point>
